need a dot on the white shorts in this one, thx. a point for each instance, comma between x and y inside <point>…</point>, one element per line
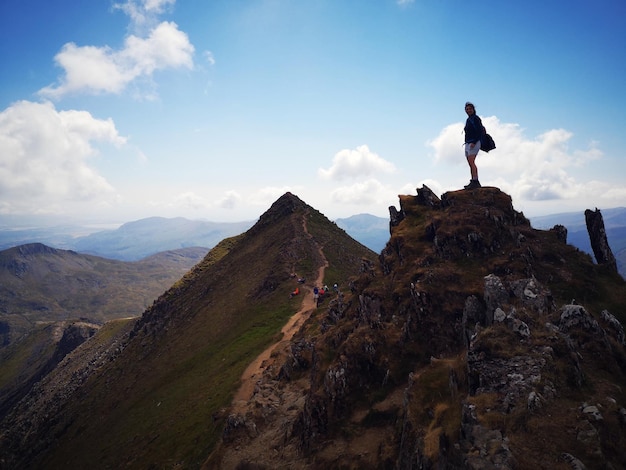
<point>472,151</point>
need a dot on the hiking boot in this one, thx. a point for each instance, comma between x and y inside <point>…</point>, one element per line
<point>473,184</point>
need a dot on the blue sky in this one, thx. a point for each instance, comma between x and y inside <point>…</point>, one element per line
<point>212,109</point>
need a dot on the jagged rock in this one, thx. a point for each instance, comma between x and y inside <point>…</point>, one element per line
<point>473,313</point>
<point>561,233</point>
<point>534,401</point>
<point>573,316</point>
<point>367,267</point>
<point>589,437</point>
<point>238,426</point>
<point>533,295</point>
<point>519,327</point>
<point>73,336</point>
<point>510,378</point>
<point>573,461</point>
<point>599,242</point>
<point>499,315</point>
<point>395,217</point>
<point>614,325</point>
<point>484,448</point>
<point>592,412</point>
<point>495,296</point>
<point>426,197</point>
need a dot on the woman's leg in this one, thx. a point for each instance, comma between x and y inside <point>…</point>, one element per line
<point>471,160</point>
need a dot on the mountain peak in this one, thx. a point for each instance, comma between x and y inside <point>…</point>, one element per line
<point>285,205</point>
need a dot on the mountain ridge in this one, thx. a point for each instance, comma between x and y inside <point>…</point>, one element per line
<point>442,351</point>
<point>458,306</point>
<point>205,329</point>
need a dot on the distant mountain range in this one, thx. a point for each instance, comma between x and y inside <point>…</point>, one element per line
<point>368,229</point>
<point>135,240</point>
<point>373,231</point>
<point>130,242</point>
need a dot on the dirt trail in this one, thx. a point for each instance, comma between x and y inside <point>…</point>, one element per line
<point>254,371</point>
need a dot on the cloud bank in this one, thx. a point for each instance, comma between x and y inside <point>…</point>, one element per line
<point>45,157</point>
<point>539,169</point>
<point>356,163</point>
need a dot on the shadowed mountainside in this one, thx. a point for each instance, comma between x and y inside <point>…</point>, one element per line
<point>153,396</point>
<point>51,301</point>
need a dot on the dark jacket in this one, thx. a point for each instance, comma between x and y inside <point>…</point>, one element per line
<point>473,129</point>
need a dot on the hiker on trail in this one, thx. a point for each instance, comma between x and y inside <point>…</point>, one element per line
<point>320,299</point>
<point>473,131</point>
<point>316,293</point>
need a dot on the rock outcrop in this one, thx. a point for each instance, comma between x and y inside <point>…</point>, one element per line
<point>461,349</point>
<point>597,236</point>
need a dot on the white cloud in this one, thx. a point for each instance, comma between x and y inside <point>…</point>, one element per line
<point>537,169</point>
<point>189,200</point>
<point>144,12</point>
<point>269,194</point>
<point>355,163</point>
<point>366,192</point>
<point>229,200</point>
<point>45,156</point>
<point>95,70</point>
<point>208,55</point>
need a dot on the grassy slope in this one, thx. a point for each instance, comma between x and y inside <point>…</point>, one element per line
<point>39,286</point>
<point>156,404</point>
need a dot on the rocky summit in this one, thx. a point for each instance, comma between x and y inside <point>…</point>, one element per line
<point>471,341</point>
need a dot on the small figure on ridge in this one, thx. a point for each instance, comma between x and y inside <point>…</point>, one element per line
<point>473,131</point>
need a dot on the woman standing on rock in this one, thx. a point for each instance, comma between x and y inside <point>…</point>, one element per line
<point>473,131</point>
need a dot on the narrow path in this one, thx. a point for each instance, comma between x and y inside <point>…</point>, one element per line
<point>254,371</point>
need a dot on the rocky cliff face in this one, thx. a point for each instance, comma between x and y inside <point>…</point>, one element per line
<point>599,242</point>
<point>48,348</point>
<point>475,342</point>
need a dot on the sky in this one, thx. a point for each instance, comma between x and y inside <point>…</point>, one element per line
<point>113,111</point>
